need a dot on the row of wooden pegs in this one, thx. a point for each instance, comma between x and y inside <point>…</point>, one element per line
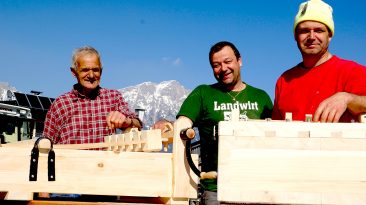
<point>135,141</point>
<point>309,117</point>
<point>131,141</point>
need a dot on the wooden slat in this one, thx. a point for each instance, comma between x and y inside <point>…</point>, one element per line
<point>300,143</point>
<point>261,128</point>
<point>90,172</point>
<point>182,172</point>
<point>137,141</point>
<point>272,162</point>
<point>291,172</point>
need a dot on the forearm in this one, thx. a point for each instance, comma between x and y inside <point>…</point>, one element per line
<point>185,120</point>
<point>356,104</point>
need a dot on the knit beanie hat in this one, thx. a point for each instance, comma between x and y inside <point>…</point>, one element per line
<point>315,10</point>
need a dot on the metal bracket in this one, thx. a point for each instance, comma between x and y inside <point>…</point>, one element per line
<point>33,170</point>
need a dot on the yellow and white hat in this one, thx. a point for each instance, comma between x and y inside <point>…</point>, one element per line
<point>315,10</point>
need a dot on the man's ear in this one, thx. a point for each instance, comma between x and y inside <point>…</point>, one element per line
<point>240,62</point>
<point>73,71</point>
<point>330,36</point>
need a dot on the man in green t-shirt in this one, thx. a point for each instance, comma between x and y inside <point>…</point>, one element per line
<point>206,105</point>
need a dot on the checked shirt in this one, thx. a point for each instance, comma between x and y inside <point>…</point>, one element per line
<point>76,119</point>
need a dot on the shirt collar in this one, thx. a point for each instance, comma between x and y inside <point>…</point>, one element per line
<point>77,92</point>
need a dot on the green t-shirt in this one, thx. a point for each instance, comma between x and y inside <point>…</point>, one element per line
<point>206,105</point>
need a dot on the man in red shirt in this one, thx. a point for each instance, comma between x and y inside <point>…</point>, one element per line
<point>329,88</point>
<point>88,112</point>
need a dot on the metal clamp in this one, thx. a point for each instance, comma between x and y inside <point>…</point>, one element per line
<point>33,170</point>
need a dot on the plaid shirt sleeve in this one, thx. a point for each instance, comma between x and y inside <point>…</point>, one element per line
<point>51,124</point>
<point>122,106</point>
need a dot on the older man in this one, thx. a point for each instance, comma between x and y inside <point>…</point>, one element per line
<point>88,112</point>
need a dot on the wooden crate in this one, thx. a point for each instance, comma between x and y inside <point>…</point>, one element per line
<point>278,162</point>
<point>118,172</point>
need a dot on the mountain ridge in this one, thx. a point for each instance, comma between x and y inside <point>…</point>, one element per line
<point>159,100</point>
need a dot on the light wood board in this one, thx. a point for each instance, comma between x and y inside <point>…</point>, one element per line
<point>90,172</point>
<point>259,165</point>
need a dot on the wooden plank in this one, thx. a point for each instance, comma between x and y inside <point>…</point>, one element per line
<point>134,140</point>
<point>259,165</point>
<point>121,200</point>
<point>182,172</point>
<point>291,172</point>
<point>37,202</point>
<point>300,143</point>
<point>90,172</point>
<point>261,128</point>
<point>19,195</point>
<point>85,203</point>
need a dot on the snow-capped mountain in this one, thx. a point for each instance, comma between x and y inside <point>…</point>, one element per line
<point>161,100</point>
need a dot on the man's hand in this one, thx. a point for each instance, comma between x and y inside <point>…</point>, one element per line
<point>116,119</point>
<point>332,108</point>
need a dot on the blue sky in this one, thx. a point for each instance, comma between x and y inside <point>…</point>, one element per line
<point>146,40</point>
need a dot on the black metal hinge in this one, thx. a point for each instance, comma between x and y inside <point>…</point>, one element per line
<point>33,170</point>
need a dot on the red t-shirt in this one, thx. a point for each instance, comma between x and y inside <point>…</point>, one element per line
<point>300,90</point>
